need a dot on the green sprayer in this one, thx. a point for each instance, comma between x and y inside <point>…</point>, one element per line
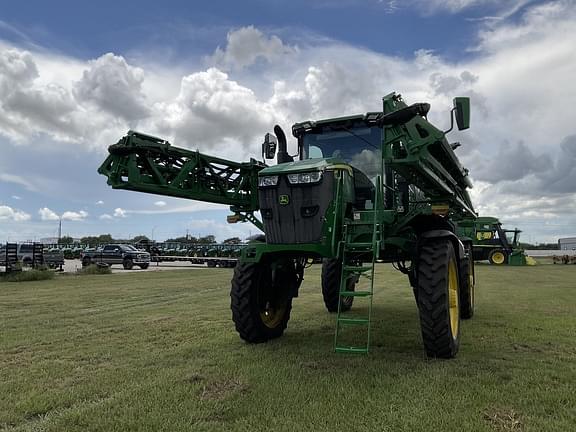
<point>384,186</point>
<point>493,243</point>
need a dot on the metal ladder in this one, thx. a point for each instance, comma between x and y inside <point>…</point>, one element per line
<point>352,268</point>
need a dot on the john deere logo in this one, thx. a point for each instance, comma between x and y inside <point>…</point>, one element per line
<point>284,200</point>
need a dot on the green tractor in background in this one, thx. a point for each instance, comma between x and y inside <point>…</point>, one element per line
<point>493,243</point>
<point>378,187</point>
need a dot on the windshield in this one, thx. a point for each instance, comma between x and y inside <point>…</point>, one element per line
<point>358,146</point>
<point>513,237</point>
<point>128,247</point>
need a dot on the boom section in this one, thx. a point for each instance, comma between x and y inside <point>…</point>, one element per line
<point>421,154</point>
<point>148,164</point>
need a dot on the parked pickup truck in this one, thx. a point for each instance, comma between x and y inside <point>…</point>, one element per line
<point>111,254</point>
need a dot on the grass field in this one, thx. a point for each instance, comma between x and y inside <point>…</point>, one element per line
<point>157,351</point>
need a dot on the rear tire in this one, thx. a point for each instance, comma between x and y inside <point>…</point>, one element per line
<point>331,275</point>
<point>128,264</point>
<point>261,299</point>
<point>467,286</point>
<point>438,289</point>
<point>86,262</point>
<point>497,257</point>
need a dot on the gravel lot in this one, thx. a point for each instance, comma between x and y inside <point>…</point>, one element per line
<point>72,266</point>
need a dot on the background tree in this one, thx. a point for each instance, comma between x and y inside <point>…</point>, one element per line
<point>209,239</point>
<point>233,240</point>
<point>65,240</point>
<point>140,238</point>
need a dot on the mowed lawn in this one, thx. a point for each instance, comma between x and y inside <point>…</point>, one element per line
<point>157,351</point>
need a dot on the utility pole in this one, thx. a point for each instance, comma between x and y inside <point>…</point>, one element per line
<point>59,230</point>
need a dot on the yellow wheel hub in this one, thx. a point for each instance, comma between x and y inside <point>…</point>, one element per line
<point>272,315</point>
<point>453,306</point>
<point>498,258</point>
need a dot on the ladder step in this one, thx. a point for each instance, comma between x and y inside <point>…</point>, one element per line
<point>353,321</point>
<point>361,222</point>
<point>354,246</point>
<point>357,269</point>
<point>355,350</point>
<point>355,293</point>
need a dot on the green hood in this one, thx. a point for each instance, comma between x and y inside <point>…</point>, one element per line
<point>319,164</point>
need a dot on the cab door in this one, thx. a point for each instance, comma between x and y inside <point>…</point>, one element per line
<point>112,254</point>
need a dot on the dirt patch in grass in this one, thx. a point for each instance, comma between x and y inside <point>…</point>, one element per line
<point>194,378</point>
<point>219,390</point>
<point>504,419</point>
<point>314,365</point>
<point>526,348</point>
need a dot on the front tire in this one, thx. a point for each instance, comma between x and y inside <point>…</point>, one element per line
<point>438,298</point>
<point>128,264</point>
<point>331,275</point>
<point>261,299</point>
<point>144,266</point>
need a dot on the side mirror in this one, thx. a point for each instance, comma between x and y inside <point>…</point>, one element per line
<point>462,108</point>
<point>269,146</point>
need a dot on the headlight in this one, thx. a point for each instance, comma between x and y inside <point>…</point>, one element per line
<point>265,181</point>
<point>307,177</point>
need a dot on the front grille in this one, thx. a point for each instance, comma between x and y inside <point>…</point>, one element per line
<point>302,218</point>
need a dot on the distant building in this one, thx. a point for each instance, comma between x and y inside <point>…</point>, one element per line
<point>568,243</point>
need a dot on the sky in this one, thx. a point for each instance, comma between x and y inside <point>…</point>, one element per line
<point>216,76</point>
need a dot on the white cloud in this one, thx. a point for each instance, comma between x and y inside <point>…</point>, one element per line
<point>212,111</point>
<point>519,78</point>
<point>40,95</point>
<point>47,215</point>
<point>8,213</point>
<point>74,215</point>
<point>193,206</point>
<point>160,203</point>
<point>99,202</point>
<point>502,9</point>
<point>105,216</point>
<point>114,86</point>
<point>247,45</point>
<point>16,197</point>
<point>19,180</point>
<point>220,230</point>
<point>119,212</point>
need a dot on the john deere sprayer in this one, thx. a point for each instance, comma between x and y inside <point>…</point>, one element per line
<point>379,187</point>
<point>493,243</point>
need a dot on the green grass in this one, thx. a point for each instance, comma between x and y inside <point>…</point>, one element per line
<point>27,276</point>
<point>157,351</point>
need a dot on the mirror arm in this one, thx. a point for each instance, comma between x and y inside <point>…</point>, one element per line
<point>451,121</point>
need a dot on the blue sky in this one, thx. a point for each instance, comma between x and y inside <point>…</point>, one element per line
<point>217,75</point>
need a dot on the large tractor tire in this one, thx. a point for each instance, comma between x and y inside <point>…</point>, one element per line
<point>331,275</point>
<point>438,298</point>
<point>261,299</point>
<point>497,257</point>
<point>467,286</point>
